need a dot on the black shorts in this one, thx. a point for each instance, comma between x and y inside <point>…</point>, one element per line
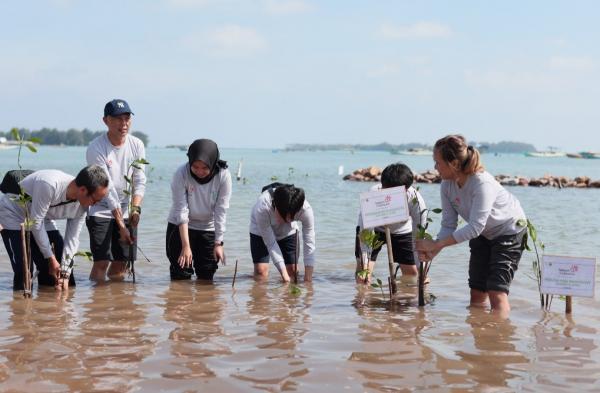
<point>104,240</point>
<point>260,253</point>
<point>202,244</point>
<point>402,247</point>
<point>493,263</point>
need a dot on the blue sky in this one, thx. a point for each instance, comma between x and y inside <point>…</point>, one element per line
<point>264,73</point>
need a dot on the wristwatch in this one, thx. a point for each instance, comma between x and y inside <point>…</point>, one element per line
<point>219,243</point>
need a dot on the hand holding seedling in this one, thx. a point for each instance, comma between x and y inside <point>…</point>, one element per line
<point>125,235</point>
<point>219,253</point>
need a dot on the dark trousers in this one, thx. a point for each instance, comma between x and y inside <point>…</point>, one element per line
<point>202,244</point>
<point>12,242</point>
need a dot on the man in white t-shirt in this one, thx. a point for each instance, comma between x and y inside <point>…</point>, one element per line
<point>115,151</point>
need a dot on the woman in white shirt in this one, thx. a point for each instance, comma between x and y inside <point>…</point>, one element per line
<point>201,189</point>
<point>494,222</point>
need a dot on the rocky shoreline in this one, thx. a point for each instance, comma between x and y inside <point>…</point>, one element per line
<point>373,174</point>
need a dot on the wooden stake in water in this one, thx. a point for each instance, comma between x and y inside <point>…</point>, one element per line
<point>569,305</point>
<point>297,256</point>
<point>26,272</point>
<point>388,240</point>
<point>234,274</point>
<point>239,171</point>
<point>421,284</point>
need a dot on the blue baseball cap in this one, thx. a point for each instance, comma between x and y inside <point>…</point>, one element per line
<point>116,107</point>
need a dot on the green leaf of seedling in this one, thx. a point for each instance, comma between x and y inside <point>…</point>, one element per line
<point>436,210</point>
<point>415,201</point>
<point>85,254</point>
<point>542,246</point>
<point>126,192</point>
<point>136,166</point>
<point>362,274</point>
<point>532,231</point>
<point>31,148</point>
<point>527,246</point>
<point>35,139</point>
<point>127,179</point>
<point>522,223</point>
<point>295,290</point>
<point>142,161</point>
<point>429,219</point>
<point>379,282</point>
<point>427,236</point>
<point>15,134</point>
<point>374,285</point>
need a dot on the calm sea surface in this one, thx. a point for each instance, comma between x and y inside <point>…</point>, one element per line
<point>156,335</point>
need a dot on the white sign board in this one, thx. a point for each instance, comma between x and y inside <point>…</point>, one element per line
<point>570,276</point>
<point>383,207</point>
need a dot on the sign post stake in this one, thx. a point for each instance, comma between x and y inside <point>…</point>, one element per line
<point>569,305</point>
<point>388,240</point>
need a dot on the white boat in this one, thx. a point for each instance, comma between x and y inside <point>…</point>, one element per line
<point>547,154</point>
<point>415,151</point>
<point>5,144</point>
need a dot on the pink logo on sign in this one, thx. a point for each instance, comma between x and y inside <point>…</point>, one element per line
<point>388,198</point>
<point>574,268</point>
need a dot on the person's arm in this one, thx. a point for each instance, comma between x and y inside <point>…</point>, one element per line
<point>307,219</point>
<point>72,232</point>
<point>268,235</point>
<point>185,257</point>
<point>138,182</point>
<point>428,249</point>
<point>41,199</point>
<point>94,156</point>
<point>220,215</point>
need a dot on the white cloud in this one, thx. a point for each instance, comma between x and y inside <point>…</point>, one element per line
<point>282,7</point>
<point>229,41</point>
<point>407,64</point>
<point>416,30</point>
<point>499,79</point>
<point>190,3</point>
<point>578,64</point>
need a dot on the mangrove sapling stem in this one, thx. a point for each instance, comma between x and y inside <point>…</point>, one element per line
<point>297,256</point>
<point>234,273</point>
<point>388,239</point>
<point>421,284</point>
<point>26,273</point>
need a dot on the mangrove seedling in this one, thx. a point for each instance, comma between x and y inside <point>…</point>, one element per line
<point>545,299</point>
<point>370,241</point>
<point>135,165</point>
<point>423,234</point>
<point>22,199</point>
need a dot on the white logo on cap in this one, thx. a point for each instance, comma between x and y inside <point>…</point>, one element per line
<point>120,105</point>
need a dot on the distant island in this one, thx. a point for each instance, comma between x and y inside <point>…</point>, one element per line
<point>71,137</point>
<point>484,147</point>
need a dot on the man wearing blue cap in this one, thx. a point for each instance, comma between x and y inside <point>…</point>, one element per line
<point>115,151</point>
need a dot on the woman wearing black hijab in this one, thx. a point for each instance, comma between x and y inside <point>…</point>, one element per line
<point>201,189</point>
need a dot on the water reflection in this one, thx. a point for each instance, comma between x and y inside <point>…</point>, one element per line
<point>391,355</point>
<point>494,359</point>
<point>564,353</point>
<point>196,309</point>
<point>111,344</point>
<point>282,319</point>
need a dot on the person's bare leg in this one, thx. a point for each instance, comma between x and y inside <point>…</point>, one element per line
<point>98,272</point>
<point>116,271</point>
<point>478,298</point>
<point>499,303</point>
<point>261,271</point>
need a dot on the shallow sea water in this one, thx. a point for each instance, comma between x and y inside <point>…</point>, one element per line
<point>158,335</point>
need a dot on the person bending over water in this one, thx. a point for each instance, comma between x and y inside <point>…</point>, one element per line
<point>274,228</point>
<point>493,222</point>
<point>403,234</point>
<point>201,189</point>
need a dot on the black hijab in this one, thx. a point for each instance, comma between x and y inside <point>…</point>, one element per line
<point>206,151</point>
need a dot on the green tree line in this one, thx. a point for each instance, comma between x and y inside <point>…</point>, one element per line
<point>71,137</point>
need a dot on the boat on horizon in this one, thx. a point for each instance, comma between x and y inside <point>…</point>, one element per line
<point>589,154</point>
<point>413,151</point>
<point>546,154</point>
